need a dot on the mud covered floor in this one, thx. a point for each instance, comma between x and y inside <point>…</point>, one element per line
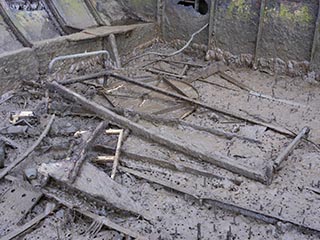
<point>158,191</point>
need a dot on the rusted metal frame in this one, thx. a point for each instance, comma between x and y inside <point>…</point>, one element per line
<point>259,33</point>
<point>14,25</point>
<point>78,55</point>
<point>212,17</point>
<point>316,36</point>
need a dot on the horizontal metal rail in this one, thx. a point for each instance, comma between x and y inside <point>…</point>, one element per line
<point>78,55</point>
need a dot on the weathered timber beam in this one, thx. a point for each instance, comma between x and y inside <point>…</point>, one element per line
<point>150,135</point>
<point>260,29</point>
<point>212,23</point>
<point>315,36</point>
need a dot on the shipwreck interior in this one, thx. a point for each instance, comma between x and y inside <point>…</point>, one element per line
<point>160,119</point>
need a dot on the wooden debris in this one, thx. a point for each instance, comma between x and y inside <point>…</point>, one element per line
<point>29,150</point>
<point>18,231</point>
<point>96,183</point>
<point>216,201</point>
<point>273,127</point>
<point>285,153</point>
<point>104,220</point>
<point>259,33</point>
<point>161,72</point>
<point>118,149</point>
<point>213,157</point>
<point>80,158</point>
<point>211,23</point>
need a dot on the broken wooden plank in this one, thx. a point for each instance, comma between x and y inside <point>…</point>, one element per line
<point>97,184</point>
<point>104,220</point>
<point>150,135</point>
<point>19,230</point>
<point>80,158</point>
<point>29,150</point>
<point>104,31</point>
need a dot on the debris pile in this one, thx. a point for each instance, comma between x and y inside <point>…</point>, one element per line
<point>166,147</point>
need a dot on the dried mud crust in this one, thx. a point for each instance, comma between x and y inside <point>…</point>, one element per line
<point>292,196</point>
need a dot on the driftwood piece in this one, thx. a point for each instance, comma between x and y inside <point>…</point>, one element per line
<point>150,135</point>
<point>96,183</point>
<point>29,150</point>
<point>80,158</point>
<point>19,230</point>
<point>104,220</point>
